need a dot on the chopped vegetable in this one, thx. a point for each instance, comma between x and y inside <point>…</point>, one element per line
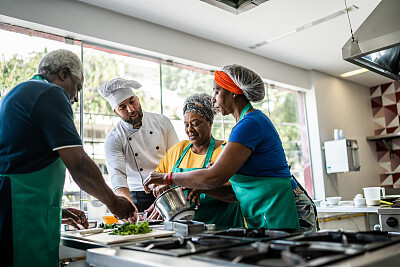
<point>127,228</point>
<point>108,226</point>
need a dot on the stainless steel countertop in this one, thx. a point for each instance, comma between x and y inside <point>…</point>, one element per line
<point>349,209</point>
<point>110,257</point>
<point>387,257</point>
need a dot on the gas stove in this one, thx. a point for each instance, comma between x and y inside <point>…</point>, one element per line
<point>250,234</point>
<point>307,249</point>
<point>256,247</point>
<point>194,244</point>
<point>181,246</point>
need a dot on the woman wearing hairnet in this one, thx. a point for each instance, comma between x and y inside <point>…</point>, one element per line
<point>253,159</point>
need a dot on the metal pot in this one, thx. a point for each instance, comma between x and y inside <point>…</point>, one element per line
<point>173,205</point>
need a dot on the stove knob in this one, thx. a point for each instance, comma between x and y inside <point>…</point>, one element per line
<point>392,222</point>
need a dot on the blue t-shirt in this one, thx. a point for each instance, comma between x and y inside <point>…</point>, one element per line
<point>257,132</point>
<point>35,118</point>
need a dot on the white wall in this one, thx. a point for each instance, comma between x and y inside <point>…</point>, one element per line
<point>332,102</point>
<point>345,105</point>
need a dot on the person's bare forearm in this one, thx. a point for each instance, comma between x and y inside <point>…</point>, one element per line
<point>206,179</point>
<point>124,192</point>
<point>95,187</point>
<point>89,178</point>
<point>87,175</point>
<point>224,193</point>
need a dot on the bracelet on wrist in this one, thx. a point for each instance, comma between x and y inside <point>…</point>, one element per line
<point>169,181</point>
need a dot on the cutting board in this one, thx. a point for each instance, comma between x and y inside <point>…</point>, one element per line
<point>105,238</point>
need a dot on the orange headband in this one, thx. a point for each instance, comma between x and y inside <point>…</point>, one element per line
<point>223,80</point>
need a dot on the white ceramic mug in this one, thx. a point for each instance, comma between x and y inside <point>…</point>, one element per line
<point>373,195</point>
<point>336,134</point>
<point>341,134</point>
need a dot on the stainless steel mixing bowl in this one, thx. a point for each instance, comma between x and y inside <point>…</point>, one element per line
<point>173,203</point>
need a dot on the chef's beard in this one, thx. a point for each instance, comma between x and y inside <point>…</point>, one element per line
<point>135,121</point>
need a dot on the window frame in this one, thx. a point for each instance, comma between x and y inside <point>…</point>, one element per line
<point>158,60</point>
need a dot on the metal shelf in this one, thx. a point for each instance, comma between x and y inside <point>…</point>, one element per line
<point>386,139</point>
<point>383,136</point>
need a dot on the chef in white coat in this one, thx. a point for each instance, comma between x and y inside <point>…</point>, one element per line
<point>135,146</point>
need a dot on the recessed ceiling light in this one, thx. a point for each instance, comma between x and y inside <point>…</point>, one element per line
<point>353,72</point>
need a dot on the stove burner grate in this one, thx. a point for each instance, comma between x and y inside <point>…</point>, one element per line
<point>269,254</point>
<point>251,234</point>
<point>307,249</point>
<point>180,246</point>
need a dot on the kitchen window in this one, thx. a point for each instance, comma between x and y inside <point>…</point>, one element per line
<point>165,85</point>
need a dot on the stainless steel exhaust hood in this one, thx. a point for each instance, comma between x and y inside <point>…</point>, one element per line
<point>376,44</point>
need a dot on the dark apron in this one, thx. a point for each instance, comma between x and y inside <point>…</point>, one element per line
<point>265,201</point>
<point>212,210</point>
<point>36,215</point>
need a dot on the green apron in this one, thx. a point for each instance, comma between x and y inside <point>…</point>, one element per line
<point>36,215</point>
<point>265,201</point>
<point>212,210</point>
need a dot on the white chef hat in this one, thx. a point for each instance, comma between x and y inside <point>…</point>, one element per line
<point>117,90</point>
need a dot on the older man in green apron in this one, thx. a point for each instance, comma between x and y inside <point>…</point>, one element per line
<point>37,137</point>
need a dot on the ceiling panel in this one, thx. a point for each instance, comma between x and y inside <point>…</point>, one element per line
<point>315,48</point>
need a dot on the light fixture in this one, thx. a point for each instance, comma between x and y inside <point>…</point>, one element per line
<point>354,72</point>
<point>305,26</point>
<point>235,6</point>
<point>375,45</point>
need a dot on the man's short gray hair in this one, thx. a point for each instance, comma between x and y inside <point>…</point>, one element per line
<point>55,60</point>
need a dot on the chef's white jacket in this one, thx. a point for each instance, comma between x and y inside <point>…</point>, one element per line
<point>132,154</point>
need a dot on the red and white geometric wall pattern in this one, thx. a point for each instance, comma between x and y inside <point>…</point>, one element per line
<point>385,102</point>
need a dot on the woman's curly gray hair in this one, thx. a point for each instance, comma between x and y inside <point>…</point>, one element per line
<point>247,80</point>
<point>55,60</point>
<point>200,104</point>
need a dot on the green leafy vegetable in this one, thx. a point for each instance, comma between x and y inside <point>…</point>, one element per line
<point>127,228</point>
<point>106,226</point>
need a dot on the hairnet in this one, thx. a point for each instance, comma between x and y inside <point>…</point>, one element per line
<point>200,104</point>
<point>247,80</point>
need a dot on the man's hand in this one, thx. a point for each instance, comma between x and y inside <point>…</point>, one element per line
<point>123,209</point>
<point>74,217</point>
